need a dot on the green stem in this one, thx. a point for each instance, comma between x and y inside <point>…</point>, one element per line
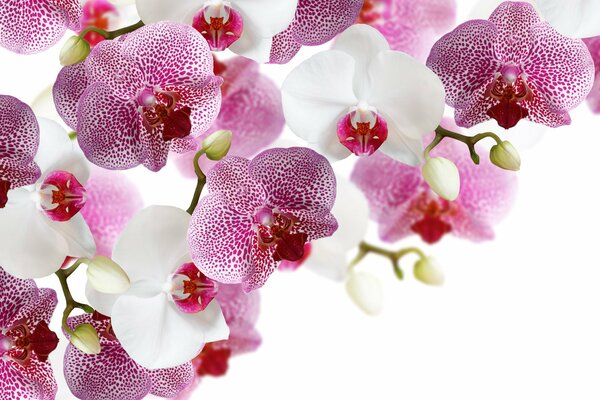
<point>394,256</point>
<point>112,34</point>
<point>200,183</point>
<point>71,304</point>
<point>470,141</point>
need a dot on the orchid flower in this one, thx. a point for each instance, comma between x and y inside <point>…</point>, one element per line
<point>100,14</point>
<point>361,96</point>
<point>574,18</point>
<point>25,339</point>
<point>316,22</point>
<point>403,204</point>
<point>260,212</point>
<point>32,26</point>
<point>112,374</point>
<point>510,67</point>
<point>410,26</point>
<point>246,27</point>
<point>168,314</point>
<point>251,109</point>
<point>136,98</point>
<point>112,200</point>
<point>41,223</point>
<point>593,98</point>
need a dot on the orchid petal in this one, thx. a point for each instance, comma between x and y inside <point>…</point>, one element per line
<point>577,19</point>
<point>152,11</point>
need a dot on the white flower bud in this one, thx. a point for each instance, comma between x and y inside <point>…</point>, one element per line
<point>75,50</point>
<point>85,338</point>
<point>217,144</point>
<point>428,271</point>
<point>505,156</point>
<point>442,176</point>
<point>106,276</point>
<point>365,291</point>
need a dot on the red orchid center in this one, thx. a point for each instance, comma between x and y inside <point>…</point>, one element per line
<point>362,131</point>
<point>160,110</point>
<point>19,342</point>
<point>276,229</point>
<point>97,13</point>
<point>509,89</point>
<point>192,290</point>
<point>370,12</point>
<point>213,360</point>
<point>432,227</point>
<point>61,196</point>
<point>4,188</point>
<point>219,24</point>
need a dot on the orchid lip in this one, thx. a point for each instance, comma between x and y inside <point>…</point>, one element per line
<point>362,130</point>
<point>219,23</point>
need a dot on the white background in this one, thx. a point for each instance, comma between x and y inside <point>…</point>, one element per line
<point>517,318</point>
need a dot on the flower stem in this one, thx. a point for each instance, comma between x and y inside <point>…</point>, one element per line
<point>365,248</point>
<point>470,141</point>
<point>63,275</point>
<point>200,183</point>
<point>112,34</point>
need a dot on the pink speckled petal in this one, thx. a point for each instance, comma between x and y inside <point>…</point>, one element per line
<point>315,226</point>
<point>284,46</point>
<point>264,265</point>
<point>593,45</point>
<point>319,21</point>
<point>238,306</point>
<point>283,171</point>
<point>464,60</point>
<point>540,113</point>
<point>32,381</point>
<point>170,382</point>
<point>474,111</point>
<point>112,200</point>
<point>514,22</point>
<point>15,293</point>
<point>70,84</point>
<point>204,100</point>
<point>73,10</point>
<point>40,308</point>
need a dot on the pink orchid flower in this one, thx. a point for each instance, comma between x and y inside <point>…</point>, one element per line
<point>251,108</point>
<point>316,22</point>
<point>113,374</point>
<point>260,212</point>
<point>32,26</point>
<point>510,67</point>
<point>25,339</point>
<point>138,97</point>
<point>19,141</point>
<point>112,200</point>
<point>410,26</point>
<point>403,204</point>
<point>99,14</point>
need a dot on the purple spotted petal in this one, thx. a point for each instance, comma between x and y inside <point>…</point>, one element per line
<point>284,46</point>
<point>70,84</point>
<point>170,382</point>
<point>112,199</point>
<point>30,26</point>
<point>514,22</point>
<point>16,293</point>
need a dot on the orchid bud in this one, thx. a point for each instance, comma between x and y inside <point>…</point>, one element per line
<point>85,338</point>
<point>428,271</point>
<point>106,276</point>
<point>505,156</point>
<point>365,291</point>
<point>75,50</point>
<point>217,144</point>
<point>442,176</point>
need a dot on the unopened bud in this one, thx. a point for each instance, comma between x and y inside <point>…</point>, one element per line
<point>106,276</point>
<point>85,338</point>
<point>442,176</point>
<point>217,144</point>
<point>75,50</point>
<point>365,291</point>
<point>505,156</point>
<point>428,271</point>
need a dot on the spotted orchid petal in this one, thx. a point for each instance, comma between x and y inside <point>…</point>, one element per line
<point>577,19</point>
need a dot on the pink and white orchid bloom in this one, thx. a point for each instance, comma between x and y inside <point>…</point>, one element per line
<point>574,18</point>
<point>246,27</point>
<point>41,224</point>
<point>113,374</point>
<point>410,26</point>
<point>316,22</point>
<point>361,96</point>
<point>403,204</point>
<point>260,212</point>
<point>169,312</point>
<point>136,98</point>
<point>19,138</point>
<point>510,67</point>
<point>32,26</point>
<point>251,108</point>
<point>25,339</point>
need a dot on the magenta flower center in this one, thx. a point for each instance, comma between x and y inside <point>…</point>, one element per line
<point>362,131</point>
<point>160,110</point>
<point>509,88</point>
<point>277,230</point>
<point>18,343</point>
<point>4,188</point>
<point>61,196</point>
<point>371,12</point>
<point>192,290</point>
<point>431,227</point>
<point>219,24</point>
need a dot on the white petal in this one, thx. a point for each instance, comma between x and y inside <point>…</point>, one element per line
<point>157,335</point>
<point>101,302</point>
<point>327,261</point>
<point>316,94</point>
<point>77,234</point>
<point>29,248</point>
<point>574,18</point>
<point>252,44</point>
<point>363,43</point>
<point>269,16</point>
<point>407,92</point>
<point>402,148</point>
<point>153,244</point>
<point>151,11</point>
